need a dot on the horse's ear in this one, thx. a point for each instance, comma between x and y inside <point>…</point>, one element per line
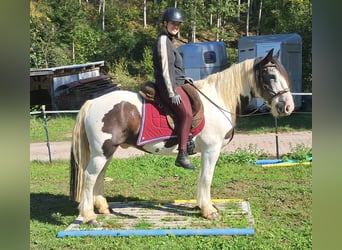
<point>277,55</point>
<point>269,55</point>
<point>267,58</point>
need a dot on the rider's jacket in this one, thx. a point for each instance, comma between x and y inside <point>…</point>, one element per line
<point>168,64</point>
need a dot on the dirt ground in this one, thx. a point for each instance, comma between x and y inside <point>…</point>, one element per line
<point>264,142</point>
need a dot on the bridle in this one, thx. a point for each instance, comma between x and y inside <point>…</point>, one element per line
<point>266,86</point>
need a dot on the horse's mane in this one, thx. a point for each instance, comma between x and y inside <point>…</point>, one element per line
<point>232,82</point>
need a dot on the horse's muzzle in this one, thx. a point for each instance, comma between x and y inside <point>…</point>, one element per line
<point>284,108</point>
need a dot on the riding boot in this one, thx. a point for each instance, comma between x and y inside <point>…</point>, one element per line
<point>182,160</point>
<point>190,146</point>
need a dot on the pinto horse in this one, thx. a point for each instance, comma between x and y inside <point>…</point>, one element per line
<point>114,119</point>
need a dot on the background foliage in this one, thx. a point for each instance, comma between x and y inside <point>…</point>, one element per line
<point>75,31</point>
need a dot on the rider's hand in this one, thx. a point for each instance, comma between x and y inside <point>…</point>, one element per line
<point>189,80</point>
<point>176,99</point>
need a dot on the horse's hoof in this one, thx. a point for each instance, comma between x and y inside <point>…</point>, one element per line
<point>105,211</point>
<point>214,216</point>
<point>92,222</point>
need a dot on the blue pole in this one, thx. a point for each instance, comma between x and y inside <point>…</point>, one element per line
<point>159,232</point>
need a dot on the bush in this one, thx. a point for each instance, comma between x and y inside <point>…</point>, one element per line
<point>299,152</point>
<point>147,64</point>
<point>243,155</point>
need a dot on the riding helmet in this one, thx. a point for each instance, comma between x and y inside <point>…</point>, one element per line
<point>173,14</point>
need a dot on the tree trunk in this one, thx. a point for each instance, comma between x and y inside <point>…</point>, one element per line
<point>218,25</point>
<point>238,15</point>
<point>102,6</point>
<point>193,32</point>
<point>145,22</point>
<point>73,51</point>
<point>259,18</point>
<point>247,22</point>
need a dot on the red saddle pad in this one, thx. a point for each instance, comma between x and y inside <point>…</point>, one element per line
<point>154,125</point>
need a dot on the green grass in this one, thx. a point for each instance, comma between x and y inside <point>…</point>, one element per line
<point>265,123</point>
<point>280,199</point>
<point>60,126</point>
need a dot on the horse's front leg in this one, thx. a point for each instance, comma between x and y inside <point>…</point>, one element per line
<point>208,162</point>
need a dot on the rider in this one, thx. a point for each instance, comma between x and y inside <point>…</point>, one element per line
<point>170,76</point>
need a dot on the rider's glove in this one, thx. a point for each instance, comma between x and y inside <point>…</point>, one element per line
<point>176,99</point>
<point>189,80</point>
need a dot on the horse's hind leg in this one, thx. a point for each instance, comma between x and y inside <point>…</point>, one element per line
<point>93,170</point>
<point>100,201</point>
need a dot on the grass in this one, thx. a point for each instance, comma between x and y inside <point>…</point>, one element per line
<point>280,199</point>
<point>60,126</point>
<point>265,123</point>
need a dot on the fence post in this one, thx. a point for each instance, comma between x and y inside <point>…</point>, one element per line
<point>276,134</point>
<point>46,132</point>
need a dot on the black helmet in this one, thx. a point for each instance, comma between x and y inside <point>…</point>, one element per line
<point>173,14</point>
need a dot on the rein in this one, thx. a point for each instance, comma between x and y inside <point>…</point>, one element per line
<point>224,110</point>
<point>217,106</point>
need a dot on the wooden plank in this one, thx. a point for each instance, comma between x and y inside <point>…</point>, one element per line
<point>166,215</point>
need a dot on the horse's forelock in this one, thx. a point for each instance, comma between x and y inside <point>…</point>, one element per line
<point>280,67</point>
<point>282,71</point>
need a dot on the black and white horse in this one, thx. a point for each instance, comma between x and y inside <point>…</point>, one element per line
<point>112,120</point>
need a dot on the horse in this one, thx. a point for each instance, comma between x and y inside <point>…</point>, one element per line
<point>114,119</point>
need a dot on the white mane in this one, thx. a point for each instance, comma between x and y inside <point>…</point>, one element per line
<point>232,82</point>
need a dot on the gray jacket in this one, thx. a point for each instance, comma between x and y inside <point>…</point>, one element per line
<point>168,64</point>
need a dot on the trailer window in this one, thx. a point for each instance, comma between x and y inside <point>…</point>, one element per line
<point>210,57</point>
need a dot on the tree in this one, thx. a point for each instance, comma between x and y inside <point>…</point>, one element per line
<point>291,16</point>
<point>145,21</point>
<point>259,17</point>
<point>102,8</point>
<point>124,30</point>
<point>247,21</point>
<point>86,42</point>
<point>43,36</point>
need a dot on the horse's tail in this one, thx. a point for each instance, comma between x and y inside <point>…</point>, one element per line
<point>80,154</point>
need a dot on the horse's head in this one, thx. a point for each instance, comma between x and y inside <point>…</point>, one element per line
<point>273,84</point>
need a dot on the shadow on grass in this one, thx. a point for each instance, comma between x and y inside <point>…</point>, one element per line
<point>168,207</point>
<point>49,208</point>
<point>45,206</point>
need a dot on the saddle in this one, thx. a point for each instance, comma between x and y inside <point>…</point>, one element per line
<point>148,92</point>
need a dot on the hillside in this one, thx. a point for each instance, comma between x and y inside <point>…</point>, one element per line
<point>72,32</point>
